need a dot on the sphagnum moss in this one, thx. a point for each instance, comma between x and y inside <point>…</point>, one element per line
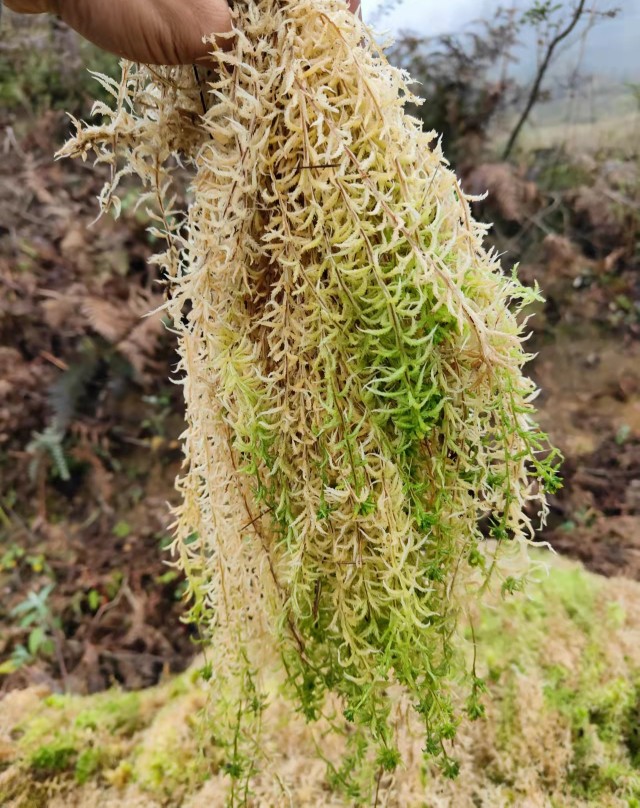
<point>351,358</point>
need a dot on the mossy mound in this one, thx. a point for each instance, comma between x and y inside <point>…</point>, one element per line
<point>562,726</point>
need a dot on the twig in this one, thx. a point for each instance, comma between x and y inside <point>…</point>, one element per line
<point>542,70</point>
<point>378,780</point>
<point>58,640</point>
<point>59,363</point>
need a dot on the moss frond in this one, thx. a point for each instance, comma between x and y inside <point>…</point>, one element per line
<point>351,358</point>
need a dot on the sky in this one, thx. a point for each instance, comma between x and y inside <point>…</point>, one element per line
<point>429,16</point>
<point>613,46</point>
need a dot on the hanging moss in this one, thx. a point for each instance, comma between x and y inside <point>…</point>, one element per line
<point>358,421</point>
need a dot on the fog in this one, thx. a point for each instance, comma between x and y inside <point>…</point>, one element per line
<point>613,47</point>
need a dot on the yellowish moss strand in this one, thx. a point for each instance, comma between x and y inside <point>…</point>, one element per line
<point>351,358</point>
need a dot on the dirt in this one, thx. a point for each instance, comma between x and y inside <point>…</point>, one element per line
<point>88,435</point>
<point>587,365</point>
<point>590,406</point>
<point>89,425</point>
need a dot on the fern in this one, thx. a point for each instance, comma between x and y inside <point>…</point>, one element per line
<point>50,442</point>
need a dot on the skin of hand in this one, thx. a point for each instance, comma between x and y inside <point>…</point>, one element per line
<point>149,31</point>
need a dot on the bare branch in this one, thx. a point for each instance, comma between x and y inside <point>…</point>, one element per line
<point>542,71</point>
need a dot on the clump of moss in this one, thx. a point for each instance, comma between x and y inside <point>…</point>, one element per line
<point>351,357</point>
<point>563,672</point>
<point>68,737</point>
<point>52,759</point>
<point>178,753</point>
<point>122,714</point>
<point>89,763</point>
<point>631,732</point>
<point>602,715</point>
<point>562,644</point>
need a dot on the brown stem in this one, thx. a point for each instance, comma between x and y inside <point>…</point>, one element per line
<point>378,779</point>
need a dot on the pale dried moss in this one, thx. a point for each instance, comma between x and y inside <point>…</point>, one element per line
<point>564,678</point>
<point>351,359</point>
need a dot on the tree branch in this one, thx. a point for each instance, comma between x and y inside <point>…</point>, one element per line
<point>542,70</point>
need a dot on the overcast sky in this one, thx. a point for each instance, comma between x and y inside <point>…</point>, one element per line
<point>429,15</point>
<point>614,45</point>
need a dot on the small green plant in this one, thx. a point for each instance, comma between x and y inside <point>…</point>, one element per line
<point>94,600</point>
<point>122,530</point>
<point>33,613</point>
<point>89,762</point>
<point>15,557</point>
<point>49,444</point>
<point>540,12</point>
<point>11,557</point>
<point>52,759</point>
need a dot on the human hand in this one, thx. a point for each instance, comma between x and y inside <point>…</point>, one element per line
<point>149,31</point>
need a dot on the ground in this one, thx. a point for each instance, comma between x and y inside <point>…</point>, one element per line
<point>89,426</point>
<point>561,730</point>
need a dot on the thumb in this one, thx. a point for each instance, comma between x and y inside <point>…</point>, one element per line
<point>150,31</point>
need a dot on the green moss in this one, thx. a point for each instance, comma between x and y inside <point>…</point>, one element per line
<point>52,759</point>
<point>89,763</point>
<point>73,739</point>
<point>577,593</point>
<point>56,701</point>
<point>604,730</point>
<point>631,726</point>
<point>369,371</point>
<point>40,79</point>
<point>169,772</point>
<point>156,743</point>
<point>172,760</point>
<point>36,730</point>
<point>122,775</point>
<point>600,706</point>
<point>114,712</point>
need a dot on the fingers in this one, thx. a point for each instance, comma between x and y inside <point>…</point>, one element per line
<point>149,31</point>
<point>42,6</point>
